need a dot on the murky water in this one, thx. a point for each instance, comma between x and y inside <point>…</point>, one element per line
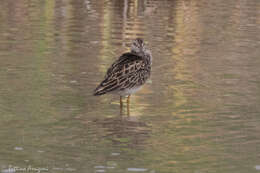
<point>199,113</point>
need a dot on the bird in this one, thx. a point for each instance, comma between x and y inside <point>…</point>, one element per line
<point>128,73</point>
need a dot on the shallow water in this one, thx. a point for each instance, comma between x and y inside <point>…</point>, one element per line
<point>199,112</point>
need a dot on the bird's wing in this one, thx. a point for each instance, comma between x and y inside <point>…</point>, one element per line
<point>122,74</point>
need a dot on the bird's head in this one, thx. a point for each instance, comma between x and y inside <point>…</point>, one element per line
<point>138,46</point>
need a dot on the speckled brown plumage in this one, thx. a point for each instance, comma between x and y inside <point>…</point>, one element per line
<point>127,74</point>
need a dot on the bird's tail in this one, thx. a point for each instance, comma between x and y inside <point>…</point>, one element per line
<point>99,91</point>
<point>106,86</point>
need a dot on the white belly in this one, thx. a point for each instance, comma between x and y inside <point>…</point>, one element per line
<point>129,91</point>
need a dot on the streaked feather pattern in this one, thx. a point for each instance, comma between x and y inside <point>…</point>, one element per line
<point>128,72</point>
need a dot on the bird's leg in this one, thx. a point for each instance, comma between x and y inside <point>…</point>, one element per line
<point>121,102</point>
<point>128,105</point>
<point>128,99</point>
<point>121,105</point>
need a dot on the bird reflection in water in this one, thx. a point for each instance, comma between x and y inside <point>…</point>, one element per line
<point>125,130</point>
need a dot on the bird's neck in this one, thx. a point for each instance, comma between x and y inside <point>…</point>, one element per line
<point>145,54</point>
<point>141,53</point>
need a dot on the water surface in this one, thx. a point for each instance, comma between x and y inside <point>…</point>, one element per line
<point>199,112</point>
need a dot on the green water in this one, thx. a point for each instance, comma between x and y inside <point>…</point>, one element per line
<point>199,113</point>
